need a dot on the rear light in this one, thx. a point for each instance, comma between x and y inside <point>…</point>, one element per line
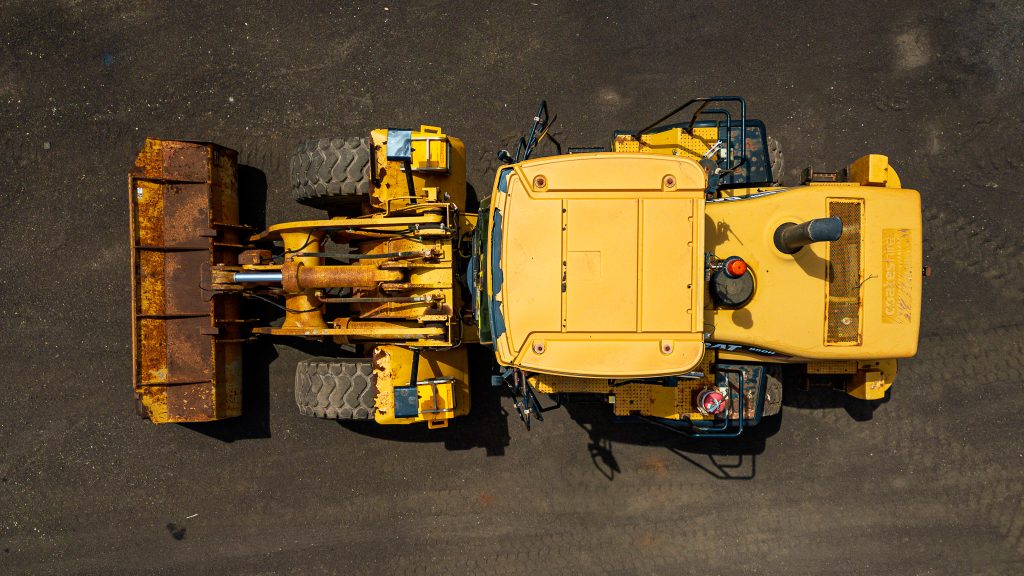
<point>735,267</point>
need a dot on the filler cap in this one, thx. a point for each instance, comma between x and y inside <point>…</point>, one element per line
<point>735,266</point>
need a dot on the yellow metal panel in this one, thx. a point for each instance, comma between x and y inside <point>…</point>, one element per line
<point>873,170</point>
<point>902,211</point>
<point>392,366</point>
<point>622,357</point>
<point>430,150</point>
<point>495,289</point>
<point>375,221</point>
<point>699,143</point>
<point>873,380</point>
<point>532,262</point>
<point>666,277</point>
<point>601,274</point>
<point>589,325</point>
<point>613,175</point>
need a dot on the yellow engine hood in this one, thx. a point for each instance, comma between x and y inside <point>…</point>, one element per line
<point>824,302</point>
<point>600,270</point>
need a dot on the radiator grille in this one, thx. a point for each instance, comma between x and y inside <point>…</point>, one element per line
<point>844,276</point>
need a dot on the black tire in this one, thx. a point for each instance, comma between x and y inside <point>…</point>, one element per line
<point>772,391</point>
<point>331,173</point>
<point>776,159</point>
<point>336,388</point>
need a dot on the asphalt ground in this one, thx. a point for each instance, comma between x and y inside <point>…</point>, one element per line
<point>928,483</point>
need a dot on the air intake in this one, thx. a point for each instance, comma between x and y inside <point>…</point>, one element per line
<point>845,300</point>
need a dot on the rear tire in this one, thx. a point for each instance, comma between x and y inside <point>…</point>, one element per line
<point>331,173</point>
<point>772,391</point>
<point>336,388</point>
<point>776,159</point>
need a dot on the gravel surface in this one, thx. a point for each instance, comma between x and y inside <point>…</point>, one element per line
<point>930,483</point>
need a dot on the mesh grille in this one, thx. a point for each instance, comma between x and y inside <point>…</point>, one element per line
<point>832,367</point>
<point>844,262</point>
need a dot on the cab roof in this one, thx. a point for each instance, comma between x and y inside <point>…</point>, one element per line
<point>597,265</point>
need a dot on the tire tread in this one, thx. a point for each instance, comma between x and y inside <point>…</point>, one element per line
<point>336,388</point>
<point>330,173</point>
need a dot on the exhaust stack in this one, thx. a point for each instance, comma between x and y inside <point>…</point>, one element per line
<point>791,237</point>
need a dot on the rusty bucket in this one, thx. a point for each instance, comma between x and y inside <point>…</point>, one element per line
<point>186,339</point>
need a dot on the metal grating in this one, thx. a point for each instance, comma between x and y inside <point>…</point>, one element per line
<point>682,144</point>
<point>551,384</point>
<point>832,367</point>
<point>697,145</point>
<point>643,397</point>
<point>633,398</point>
<point>843,307</point>
<point>626,144</point>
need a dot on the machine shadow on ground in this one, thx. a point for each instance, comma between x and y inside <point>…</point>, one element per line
<point>720,458</point>
<point>255,419</point>
<point>487,426</point>
<point>796,397</point>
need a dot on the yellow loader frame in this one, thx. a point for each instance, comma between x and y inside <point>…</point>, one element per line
<point>597,272</point>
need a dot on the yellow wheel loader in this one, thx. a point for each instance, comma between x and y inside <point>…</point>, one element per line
<point>669,274</point>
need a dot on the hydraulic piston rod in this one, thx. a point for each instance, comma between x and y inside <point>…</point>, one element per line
<point>246,277</point>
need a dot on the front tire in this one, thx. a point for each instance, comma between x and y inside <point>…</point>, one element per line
<point>336,388</point>
<point>331,173</point>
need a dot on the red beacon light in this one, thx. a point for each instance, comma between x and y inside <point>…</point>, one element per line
<point>735,267</point>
